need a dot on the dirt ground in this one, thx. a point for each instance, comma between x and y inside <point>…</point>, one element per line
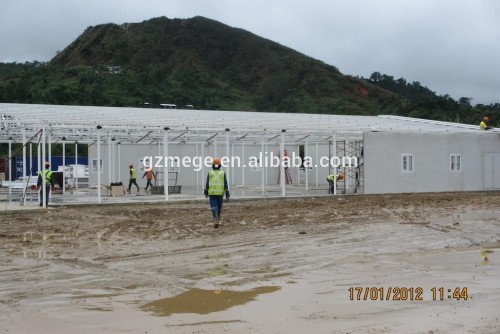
<point>274,266</point>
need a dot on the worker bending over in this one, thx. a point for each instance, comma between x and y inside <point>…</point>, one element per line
<point>332,179</point>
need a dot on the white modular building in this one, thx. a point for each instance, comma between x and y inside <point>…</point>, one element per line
<point>403,162</point>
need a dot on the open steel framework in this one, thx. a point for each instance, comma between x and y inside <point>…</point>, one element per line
<point>51,124</point>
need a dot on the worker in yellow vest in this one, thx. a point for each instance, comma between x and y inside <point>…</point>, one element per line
<point>331,178</point>
<point>133,178</point>
<point>215,189</point>
<point>484,124</point>
<point>49,183</point>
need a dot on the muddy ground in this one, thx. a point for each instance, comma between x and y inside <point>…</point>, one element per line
<point>274,266</point>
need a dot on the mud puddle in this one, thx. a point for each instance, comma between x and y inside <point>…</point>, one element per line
<point>201,301</point>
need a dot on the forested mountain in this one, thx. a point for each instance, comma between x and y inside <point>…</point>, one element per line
<point>425,103</point>
<point>209,65</point>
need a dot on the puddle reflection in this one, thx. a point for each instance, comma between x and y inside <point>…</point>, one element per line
<point>205,301</point>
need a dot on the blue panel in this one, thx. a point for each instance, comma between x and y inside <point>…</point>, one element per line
<point>55,162</point>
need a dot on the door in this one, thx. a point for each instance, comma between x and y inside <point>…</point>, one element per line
<point>491,169</point>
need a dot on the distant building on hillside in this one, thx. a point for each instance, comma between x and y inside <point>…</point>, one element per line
<point>115,70</point>
<point>168,106</point>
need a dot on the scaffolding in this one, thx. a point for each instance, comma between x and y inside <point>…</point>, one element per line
<point>349,158</point>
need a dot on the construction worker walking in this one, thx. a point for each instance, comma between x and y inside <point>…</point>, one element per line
<point>149,174</point>
<point>215,189</point>
<point>133,178</point>
<point>49,183</point>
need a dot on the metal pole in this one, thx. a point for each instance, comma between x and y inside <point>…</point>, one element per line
<point>282,166</point>
<point>44,182</point>
<point>39,155</point>
<point>157,179</point>
<point>202,166</point>
<point>24,165</point>
<point>232,154</point>
<point>110,158</point>
<point>113,161</point>
<point>38,158</point>
<point>306,168</point>
<point>98,165</point>
<point>119,161</point>
<point>197,172</point>
<point>76,166</point>
<point>38,162</point>
<point>165,167</point>
<point>346,153</point>
<point>266,171</point>
<point>49,146</point>
<point>10,160</point>
<point>317,165</point>
<point>228,170</point>
<point>298,168</point>
<point>243,165</point>
<point>31,158</point>
<point>64,166</point>
<point>334,139</point>
<point>262,165</point>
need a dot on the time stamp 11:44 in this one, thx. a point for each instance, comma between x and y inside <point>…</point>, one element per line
<point>406,293</point>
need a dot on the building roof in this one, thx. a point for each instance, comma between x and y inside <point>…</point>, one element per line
<point>146,125</point>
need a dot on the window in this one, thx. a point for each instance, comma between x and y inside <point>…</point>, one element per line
<point>407,163</point>
<point>455,162</point>
<point>94,165</point>
<point>257,167</point>
<point>174,164</point>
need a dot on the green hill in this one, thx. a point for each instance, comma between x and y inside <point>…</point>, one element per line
<point>204,63</point>
<point>194,61</point>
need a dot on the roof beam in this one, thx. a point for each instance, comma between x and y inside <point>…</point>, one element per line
<point>144,136</point>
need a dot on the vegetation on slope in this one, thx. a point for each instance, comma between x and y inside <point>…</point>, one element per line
<point>207,64</point>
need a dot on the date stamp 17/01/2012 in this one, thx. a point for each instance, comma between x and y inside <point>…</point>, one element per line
<point>406,293</point>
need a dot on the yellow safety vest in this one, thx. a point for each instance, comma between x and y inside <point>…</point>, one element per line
<point>216,182</point>
<point>482,125</point>
<point>133,173</point>
<point>331,177</point>
<point>48,175</point>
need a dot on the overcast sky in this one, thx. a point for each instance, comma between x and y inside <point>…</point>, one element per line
<point>450,46</point>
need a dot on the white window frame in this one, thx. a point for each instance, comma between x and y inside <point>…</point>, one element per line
<point>141,166</point>
<point>257,167</point>
<point>455,163</point>
<point>94,165</point>
<point>174,165</point>
<point>410,163</point>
